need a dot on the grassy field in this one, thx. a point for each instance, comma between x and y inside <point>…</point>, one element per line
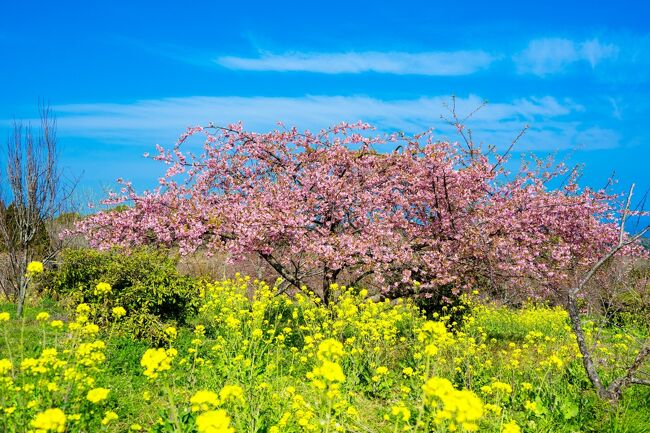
<point>266,363</point>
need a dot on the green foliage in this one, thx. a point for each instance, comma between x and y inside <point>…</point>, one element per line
<point>145,283</point>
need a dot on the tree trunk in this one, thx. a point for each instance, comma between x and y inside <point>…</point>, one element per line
<point>327,281</point>
<point>23,281</point>
<point>587,360</point>
<point>22,294</point>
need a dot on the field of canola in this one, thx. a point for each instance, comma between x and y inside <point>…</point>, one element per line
<point>253,361</point>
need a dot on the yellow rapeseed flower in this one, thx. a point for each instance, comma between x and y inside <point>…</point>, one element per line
<point>330,349</point>
<point>90,329</point>
<point>34,267</point>
<point>103,289</point>
<point>51,420</point>
<point>231,393</point>
<point>330,371</point>
<point>531,406</point>
<point>501,386</point>
<point>214,421</point>
<point>5,366</point>
<point>493,408</point>
<point>461,406</point>
<point>56,324</point>
<point>83,308</point>
<point>109,416</point>
<point>156,361</point>
<point>382,370</point>
<point>431,350</point>
<point>98,394</point>
<point>118,312</point>
<point>9,410</point>
<point>171,332</point>
<point>400,411</point>
<point>556,361</point>
<point>204,400</point>
<point>511,427</point>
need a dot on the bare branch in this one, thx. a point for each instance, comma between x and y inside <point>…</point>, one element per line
<point>637,381</point>
<point>622,243</point>
<point>503,157</point>
<point>32,194</point>
<point>616,387</point>
<point>614,391</point>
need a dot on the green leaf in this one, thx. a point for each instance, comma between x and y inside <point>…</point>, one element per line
<point>569,409</point>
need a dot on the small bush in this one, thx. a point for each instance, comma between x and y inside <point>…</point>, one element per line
<point>145,283</point>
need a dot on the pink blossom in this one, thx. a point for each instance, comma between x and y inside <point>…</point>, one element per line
<point>342,205</point>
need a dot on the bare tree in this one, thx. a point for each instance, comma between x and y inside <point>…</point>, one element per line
<point>32,193</point>
<point>612,391</point>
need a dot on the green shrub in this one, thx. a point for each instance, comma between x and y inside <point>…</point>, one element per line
<point>145,283</point>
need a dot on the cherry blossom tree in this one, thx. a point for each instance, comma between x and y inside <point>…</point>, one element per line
<point>411,215</point>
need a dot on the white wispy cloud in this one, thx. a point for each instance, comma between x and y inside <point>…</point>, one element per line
<point>425,63</point>
<point>552,55</point>
<point>161,121</point>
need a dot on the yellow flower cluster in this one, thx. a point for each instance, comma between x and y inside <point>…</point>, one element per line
<point>156,361</point>
<point>207,400</point>
<point>102,289</point>
<point>214,421</point>
<point>50,420</point>
<point>5,366</point>
<point>97,395</point>
<point>43,364</point>
<point>56,324</point>
<point>231,393</point>
<point>329,371</point>
<point>109,416</point>
<point>171,332</point>
<point>118,312</point>
<point>511,427</point>
<point>458,407</point>
<point>91,354</point>
<point>34,267</point>
<point>204,400</point>
<point>401,412</point>
<point>330,349</point>
<point>294,365</point>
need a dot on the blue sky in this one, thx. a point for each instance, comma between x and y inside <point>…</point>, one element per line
<point>123,76</point>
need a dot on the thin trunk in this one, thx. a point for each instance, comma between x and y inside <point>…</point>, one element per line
<point>327,281</point>
<point>22,294</point>
<point>587,361</point>
<point>23,281</point>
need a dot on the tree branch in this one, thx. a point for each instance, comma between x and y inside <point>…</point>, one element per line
<point>613,392</point>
